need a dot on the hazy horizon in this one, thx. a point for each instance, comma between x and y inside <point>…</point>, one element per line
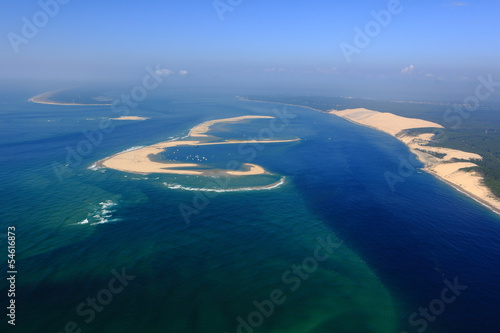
<point>408,50</point>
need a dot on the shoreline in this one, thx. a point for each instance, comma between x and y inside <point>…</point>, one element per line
<point>139,160</point>
<point>414,143</point>
<point>430,162</point>
<point>461,190</point>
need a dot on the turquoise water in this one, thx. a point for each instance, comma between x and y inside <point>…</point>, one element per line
<point>232,262</point>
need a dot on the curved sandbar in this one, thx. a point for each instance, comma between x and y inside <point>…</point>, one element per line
<point>445,168</point>
<point>139,161</point>
<point>201,129</point>
<point>45,98</point>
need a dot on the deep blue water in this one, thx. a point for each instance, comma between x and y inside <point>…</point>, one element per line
<point>398,246</point>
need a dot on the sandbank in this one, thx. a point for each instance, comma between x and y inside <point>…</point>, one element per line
<point>130,118</point>
<point>201,129</point>
<point>139,161</point>
<point>45,98</point>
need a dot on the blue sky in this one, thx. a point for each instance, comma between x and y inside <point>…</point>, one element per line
<point>295,44</point>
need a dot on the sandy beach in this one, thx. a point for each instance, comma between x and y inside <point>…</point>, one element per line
<point>446,168</point>
<point>139,161</point>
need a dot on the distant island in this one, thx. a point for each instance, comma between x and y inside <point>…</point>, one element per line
<point>463,170</point>
<point>60,97</point>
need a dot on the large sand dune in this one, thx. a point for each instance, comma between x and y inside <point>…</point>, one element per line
<point>449,167</point>
<point>383,121</point>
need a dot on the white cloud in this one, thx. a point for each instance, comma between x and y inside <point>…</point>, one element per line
<point>165,72</point>
<point>408,70</point>
<point>183,73</point>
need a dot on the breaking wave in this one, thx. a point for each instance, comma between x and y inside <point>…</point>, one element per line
<point>222,190</point>
<point>131,149</point>
<point>101,213</point>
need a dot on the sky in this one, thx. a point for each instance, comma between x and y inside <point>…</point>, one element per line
<point>329,47</point>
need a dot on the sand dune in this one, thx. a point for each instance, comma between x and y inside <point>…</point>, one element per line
<point>446,167</point>
<point>383,121</point>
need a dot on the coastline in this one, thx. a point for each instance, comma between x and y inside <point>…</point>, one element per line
<point>139,160</point>
<point>461,190</point>
<point>468,183</point>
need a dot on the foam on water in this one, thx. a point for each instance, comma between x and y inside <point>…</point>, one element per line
<point>222,190</point>
<point>95,167</point>
<point>107,204</point>
<point>173,138</point>
<point>131,149</point>
<point>101,213</point>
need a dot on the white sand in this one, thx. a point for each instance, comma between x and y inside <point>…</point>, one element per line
<point>446,168</point>
<point>420,142</point>
<point>383,121</point>
<point>201,129</point>
<point>138,161</point>
<point>129,118</point>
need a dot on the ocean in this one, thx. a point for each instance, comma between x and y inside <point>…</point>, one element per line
<point>330,247</point>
